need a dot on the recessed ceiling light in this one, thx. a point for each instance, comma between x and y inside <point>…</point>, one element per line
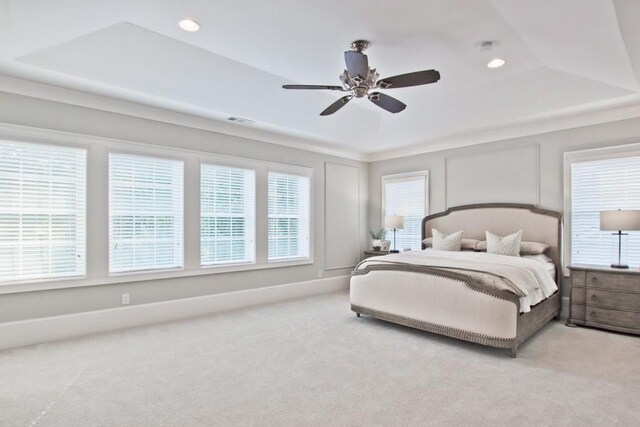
<point>189,24</point>
<point>496,63</point>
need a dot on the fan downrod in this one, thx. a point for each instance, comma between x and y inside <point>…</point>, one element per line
<point>360,45</point>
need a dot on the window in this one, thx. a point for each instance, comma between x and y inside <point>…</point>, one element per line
<point>145,213</point>
<point>289,213</point>
<point>42,211</point>
<point>227,215</point>
<point>406,195</point>
<point>598,185</point>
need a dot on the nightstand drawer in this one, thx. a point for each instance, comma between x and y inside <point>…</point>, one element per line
<point>617,282</point>
<point>578,312</point>
<point>615,300</point>
<point>624,319</point>
<point>578,295</point>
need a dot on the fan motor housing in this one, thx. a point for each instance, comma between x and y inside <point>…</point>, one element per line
<point>360,45</point>
<point>360,91</point>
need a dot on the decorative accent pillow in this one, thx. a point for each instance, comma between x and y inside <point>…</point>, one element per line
<point>526,248</point>
<point>508,245</point>
<point>481,246</point>
<point>444,242</point>
<point>467,244</point>
<point>533,248</point>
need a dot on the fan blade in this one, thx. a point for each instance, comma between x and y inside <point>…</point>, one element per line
<point>410,79</point>
<point>357,63</point>
<point>336,105</point>
<point>312,87</point>
<point>387,102</point>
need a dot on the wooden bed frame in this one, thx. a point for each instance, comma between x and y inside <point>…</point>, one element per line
<point>501,218</point>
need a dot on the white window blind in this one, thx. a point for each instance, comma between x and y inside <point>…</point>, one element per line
<point>145,213</point>
<point>42,211</point>
<point>406,195</point>
<point>289,212</point>
<point>227,215</point>
<point>597,186</point>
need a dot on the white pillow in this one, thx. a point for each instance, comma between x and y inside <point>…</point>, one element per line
<point>508,245</point>
<point>443,242</point>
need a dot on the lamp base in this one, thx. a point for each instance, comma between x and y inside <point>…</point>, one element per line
<point>394,251</point>
<point>619,266</point>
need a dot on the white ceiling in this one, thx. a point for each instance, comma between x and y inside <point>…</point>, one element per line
<point>563,57</point>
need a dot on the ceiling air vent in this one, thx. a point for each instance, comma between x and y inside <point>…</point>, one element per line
<point>240,120</point>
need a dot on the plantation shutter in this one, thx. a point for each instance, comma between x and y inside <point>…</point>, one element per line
<point>289,212</point>
<point>406,196</point>
<point>145,213</point>
<point>227,215</point>
<point>42,211</point>
<point>596,186</point>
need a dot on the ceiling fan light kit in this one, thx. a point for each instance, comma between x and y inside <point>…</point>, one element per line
<point>359,80</point>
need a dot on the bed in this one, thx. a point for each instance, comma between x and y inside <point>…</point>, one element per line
<point>450,294</point>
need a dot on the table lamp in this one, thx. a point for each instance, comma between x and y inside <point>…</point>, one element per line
<point>397,223</point>
<point>619,221</point>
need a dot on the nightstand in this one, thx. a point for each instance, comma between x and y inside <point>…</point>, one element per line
<point>369,254</point>
<point>606,298</point>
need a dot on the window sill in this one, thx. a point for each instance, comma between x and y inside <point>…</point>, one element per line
<point>287,261</point>
<point>134,273</point>
<point>121,278</point>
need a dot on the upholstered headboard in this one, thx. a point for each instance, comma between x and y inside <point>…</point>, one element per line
<point>537,225</point>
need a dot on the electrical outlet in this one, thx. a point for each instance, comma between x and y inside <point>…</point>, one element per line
<point>125,299</point>
<point>320,274</point>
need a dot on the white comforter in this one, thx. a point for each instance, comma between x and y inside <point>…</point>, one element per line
<point>528,279</point>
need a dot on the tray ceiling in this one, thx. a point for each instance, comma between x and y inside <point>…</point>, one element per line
<point>563,57</point>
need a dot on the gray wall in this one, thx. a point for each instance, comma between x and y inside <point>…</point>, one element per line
<point>531,165</point>
<point>522,170</point>
<point>21,110</point>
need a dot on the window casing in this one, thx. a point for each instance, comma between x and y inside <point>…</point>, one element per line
<point>406,194</point>
<point>145,213</point>
<point>289,214</point>
<point>227,215</point>
<point>599,183</point>
<point>42,211</point>
<point>95,258</point>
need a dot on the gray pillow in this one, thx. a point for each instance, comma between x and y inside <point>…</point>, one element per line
<point>508,245</point>
<point>481,246</point>
<point>533,248</point>
<point>444,242</point>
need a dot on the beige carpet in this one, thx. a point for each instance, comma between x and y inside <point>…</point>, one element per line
<point>312,362</point>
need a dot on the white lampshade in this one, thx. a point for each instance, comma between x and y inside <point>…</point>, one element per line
<point>394,221</point>
<point>619,220</point>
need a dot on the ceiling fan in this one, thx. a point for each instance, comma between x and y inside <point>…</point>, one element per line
<point>359,79</point>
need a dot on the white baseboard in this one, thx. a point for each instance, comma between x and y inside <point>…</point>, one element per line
<point>34,331</point>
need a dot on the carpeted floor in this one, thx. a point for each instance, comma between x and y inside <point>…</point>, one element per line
<point>312,362</point>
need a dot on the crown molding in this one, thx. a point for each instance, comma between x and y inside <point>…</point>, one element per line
<point>114,100</point>
<point>110,99</point>
<point>623,108</point>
